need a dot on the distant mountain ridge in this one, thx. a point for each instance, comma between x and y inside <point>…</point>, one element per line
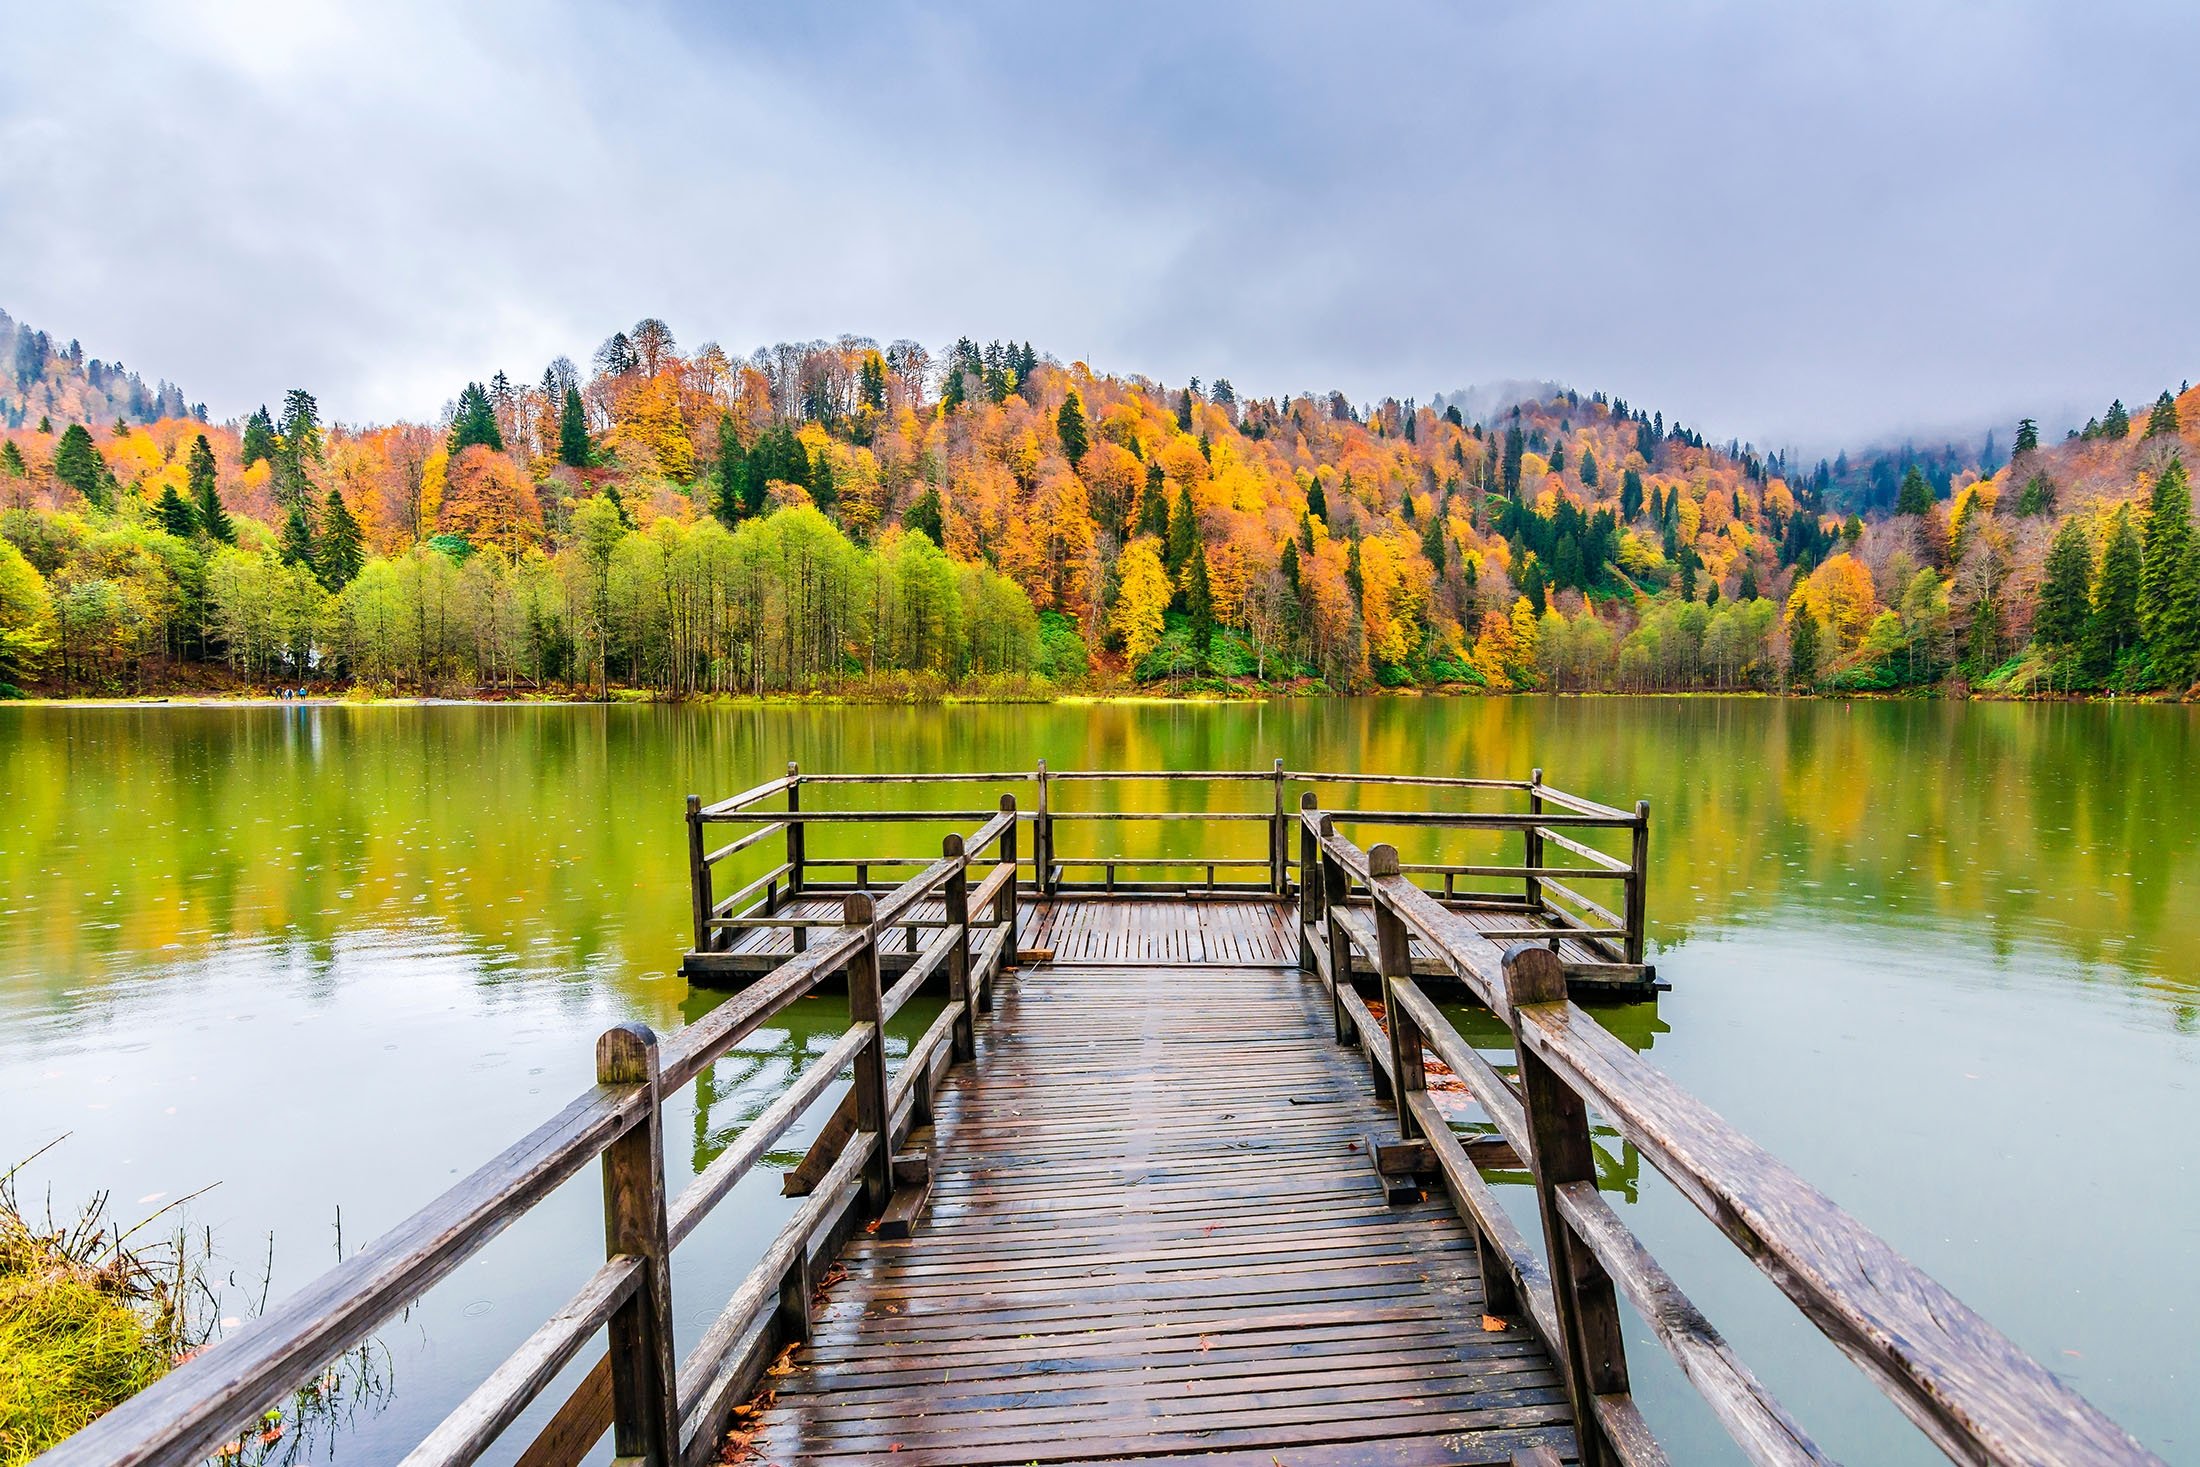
<point>41,378</point>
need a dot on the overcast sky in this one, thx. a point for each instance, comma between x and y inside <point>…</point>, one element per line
<point>1794,223</point>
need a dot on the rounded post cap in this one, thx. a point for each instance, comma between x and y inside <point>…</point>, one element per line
<point>626,1054</point>
<point>1382,859</point>
<point>1008,802</point>
<point>951,844</point>
<point>857,908</point>
<point>1533,974</point>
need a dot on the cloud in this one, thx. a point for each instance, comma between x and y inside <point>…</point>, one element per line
<point>1785,223</point>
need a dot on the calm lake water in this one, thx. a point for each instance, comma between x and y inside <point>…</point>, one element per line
<point>1940,958</point>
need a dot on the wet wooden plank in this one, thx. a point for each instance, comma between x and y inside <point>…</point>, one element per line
<point>1154,1233</point>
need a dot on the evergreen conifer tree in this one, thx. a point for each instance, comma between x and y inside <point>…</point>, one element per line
<point>475,423</point>
<point>1434,542</point>
<point>2111,627</point>
<point>1199,601</point>
<point>1184,412</point>
<point>924,516</point>
<point>2028,439</point>
<point>76,463</point>
<point>206,499</point>
<point>1183,534</point>
<point>573,430</point>
<point>341,551</point>
<point>2037,497</point>
<point>1916,496</point>
<point>729,501</point>
<point>175,514</point>
<point>2116,424</point>
<point>1070,424</point>
<point>1747,591</point>
<point>1317,501</point>
<point>259,438</point>
<point>11,461</point>
<point>1153,505</point>
<point>1589,467</point>
<point>1630,496</point>
<point>296,544</point>
<point>2066,589</point>
<point>1803,650</point>
<point>2169,581</point>
<point>2162,422</point>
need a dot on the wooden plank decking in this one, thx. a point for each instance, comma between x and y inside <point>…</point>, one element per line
<point>1155,1235</point>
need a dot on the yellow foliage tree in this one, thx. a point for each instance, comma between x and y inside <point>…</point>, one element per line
<point>1141,599</point>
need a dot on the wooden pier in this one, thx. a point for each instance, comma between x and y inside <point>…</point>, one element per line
<point>1159,1183</point>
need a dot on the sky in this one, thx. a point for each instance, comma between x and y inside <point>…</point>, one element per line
<point>1797,224</point>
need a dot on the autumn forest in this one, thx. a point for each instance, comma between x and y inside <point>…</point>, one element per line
<point>842,517</point>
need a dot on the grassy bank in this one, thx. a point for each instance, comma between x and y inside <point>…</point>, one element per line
<point>88,1318</point>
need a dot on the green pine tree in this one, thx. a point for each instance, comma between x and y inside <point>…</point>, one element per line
<point>573,431</point>
<point>2037,497</point>
<point>728,501</point>
<point>1747,591</point>
<point>1199,602</point>
<point>1916,495</point>
<point>1630,497</point>
<point>925,517</point>
<point>259,438</point>
<point>76,463</point>
<point>2066,589</point>
<point>1317,501</point>
<point>1589,467</point>
<point>1153,505</point>
<point>341,550</point>
<point>2111,627</point>
<point>2028,439</point>
<point>2162,422</point>
<point>11,461</point>
<point>1070,424</point>
<point>175,514</point>
<point>1803,650</point>
<point>475,423</point>
<point>2116,426</point>
<point>2169,581</point>
<point>1183,534</point>
<point>1434,542</point>
<point>1184,412</point>
<point>296,545</point>
<point>213,518</point>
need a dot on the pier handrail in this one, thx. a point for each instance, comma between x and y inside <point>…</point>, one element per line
<point>658,1412</point>
<point>1552,818</point>
<point>1969,1388</point>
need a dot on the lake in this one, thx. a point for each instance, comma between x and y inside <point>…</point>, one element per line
<point>1936,956</point>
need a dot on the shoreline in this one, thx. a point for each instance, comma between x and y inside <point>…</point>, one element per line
<point>636,697</point>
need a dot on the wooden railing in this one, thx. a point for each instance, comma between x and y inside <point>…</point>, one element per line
<point>1966,1386</point>
<point>1543,884</point>
<point>657,1411</point>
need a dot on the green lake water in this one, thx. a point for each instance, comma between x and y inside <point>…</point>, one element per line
<point>1938,957</point>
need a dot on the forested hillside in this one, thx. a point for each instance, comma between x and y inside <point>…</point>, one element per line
<point>42,380</point>
<point>845,517</point>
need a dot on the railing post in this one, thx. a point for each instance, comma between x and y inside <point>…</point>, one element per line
<point>645,1418</point>
<point>1394,961</point>
<point>1279,861</point>
<point>1310,877</point>
<point>795,847</point>
<point>1335,888</point>
<point>1638,865</point>
<point>1560,1153</point>
<point>865,1007</point>
<point>1042,839</point>
<point>698,875</point>
<point>1004,905</point>
<point>1533,884</point>
<point>957,903</point>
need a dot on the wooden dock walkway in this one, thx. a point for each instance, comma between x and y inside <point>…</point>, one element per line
<point>1158,1182</point>
<point>1156,1233</point>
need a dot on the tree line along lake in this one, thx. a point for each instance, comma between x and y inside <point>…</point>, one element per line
<point>1934,955</point>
